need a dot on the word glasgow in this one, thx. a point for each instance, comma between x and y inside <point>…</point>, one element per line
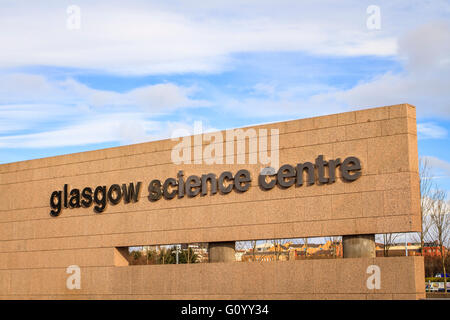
<point>286,177</point>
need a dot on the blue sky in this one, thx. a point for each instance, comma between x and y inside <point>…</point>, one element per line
<point>138,70</point>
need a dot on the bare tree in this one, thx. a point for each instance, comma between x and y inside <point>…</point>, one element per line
<point>262,251</point>
<point>246,246</point>
<point>334,242</point>
<point>388,240</point>
<point>440,228</point>
<point>426,188</point>
<point>253,245</point>
<point>188,253</point>
<point>278,245</point>
<point>305,242</point>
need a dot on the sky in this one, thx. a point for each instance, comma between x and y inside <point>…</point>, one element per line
<point>83,75</point>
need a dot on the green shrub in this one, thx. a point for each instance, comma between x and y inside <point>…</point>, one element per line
<point>435,279</point>
<point>136,254</point>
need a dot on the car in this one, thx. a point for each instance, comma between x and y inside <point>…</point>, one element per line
<point>441,275</point>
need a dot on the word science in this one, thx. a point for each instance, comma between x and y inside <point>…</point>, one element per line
<point>287,175</point>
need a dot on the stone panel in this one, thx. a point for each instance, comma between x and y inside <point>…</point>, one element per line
<point>313,279</point>
<point>35,247</point>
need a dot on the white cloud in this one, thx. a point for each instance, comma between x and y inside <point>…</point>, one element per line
<point>264,89</point>
<point>439,164</point>
<point>426,47</point>
<point>122,128</point>
<point>16,117</point>
<point>199,36</point>
<point>429,130</point>
<point>24,88</point>
<point>165,97</point>
<point>69,113</point>
<point>27,88</point>
<point>424,82</point>
<point>144,37</point>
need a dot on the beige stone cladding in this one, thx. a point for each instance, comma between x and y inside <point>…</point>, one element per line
<point>298,279</point>
<point>35,247</point>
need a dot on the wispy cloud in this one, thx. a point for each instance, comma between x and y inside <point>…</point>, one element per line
<point>42,113</point>
<point>423,82</point>
<point>429,130</point>
<point>28,88</point>
<point>119,128</point>
<point>147,37</point>
<point>199,40</point>
<point>437,164</point>
<point>126,128</point>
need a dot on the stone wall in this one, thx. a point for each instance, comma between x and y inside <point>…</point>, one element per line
<point>34,246</point>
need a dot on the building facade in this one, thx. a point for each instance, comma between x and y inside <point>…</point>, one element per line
<point>66,221</point>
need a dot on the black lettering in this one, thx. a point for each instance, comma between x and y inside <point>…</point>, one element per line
<point>169,182</point>
<point>226,175</point>
<point>100,202</point>
<point>286,172</point>
<point>300,168</point>
<point>332,165</point>
<point>130,194</point>
<point>192,186</point>
<point>286,176</point>
<point>212,179</point>
<point>351,164</point>
<point>65,196</point>
<point>86,194</point>
<point>180,184</point>
<point>262,179</point>
<point>56,206</point>
<point>320,165</point>
<point>114,189</point>
<point>154,190</point>
<point>242,180</point>
<point>74,201</point>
